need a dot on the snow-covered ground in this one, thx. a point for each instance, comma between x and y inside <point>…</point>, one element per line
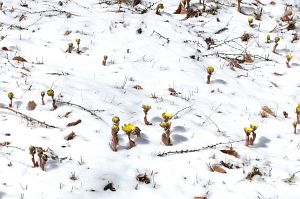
<point>169,52</point>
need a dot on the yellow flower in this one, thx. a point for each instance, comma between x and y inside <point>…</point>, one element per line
<point>253,126</point>
<point>165,124</point>
<point>250,20</point>
<point>160,6</point>
<point>268,37</point>
<point>294,124</point>
<point>10,95</point>
<point>115,127</point>
<point>277,39</point>
<point>50,92</point>
<point>167,116</point>
<point>32,150</point>
<point>128,128</point>
<point>298,109</point>
<point>289,57</point>
<point>115,119</point>
<point>146,107</point>
<point>77,40</point>
<point>210,69</point>
<point>105,57</point>
<point>248,130</point>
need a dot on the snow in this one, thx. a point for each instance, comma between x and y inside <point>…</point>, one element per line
<point>231,102</point>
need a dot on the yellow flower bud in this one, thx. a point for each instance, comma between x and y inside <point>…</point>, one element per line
<point>50,92</point>
<point>277,39</point>
<point>115,119</point>
<point>289,57</point>
<point>250,20</point>
<point>10,95</point>
<point>248,130</point>
<point>298,109</point>
<point>77,40</point>
<point>161,6</point>
<point>268,37</point>
<point>294,124</point>
<point>146,107</point>
<point>115,127</point>
<point>210,69</point>
<point>253,126</point>
<point>167,116</point>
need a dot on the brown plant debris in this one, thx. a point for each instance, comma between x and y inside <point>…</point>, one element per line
<point>230,152</point>
<point>255,171</point>
<point>74,123</point>
<point>267,111</point>
<point>109,186</point>
<point>6,143</point>
<point>143,178</point>
<point>19,59</point>
<point>31,105</point>
<point>217,168</point>
<point>70,136</point>
<point>137,87</point>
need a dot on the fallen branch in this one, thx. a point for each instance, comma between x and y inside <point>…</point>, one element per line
<point>30,119</point>
<point>162,154</point>
<point>92,112</point>
<point>160,36</point>
<point>176,114</point>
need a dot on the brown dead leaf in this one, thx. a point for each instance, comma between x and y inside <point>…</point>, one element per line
<point>278,74</point>
<point>137,87</point>
<point>6,143</point>
<point>31,105</point>
<point>172,90</point>
<point>26,69</point>
<point>20,59</point>
<point>248,58</point>
<point>218,168</point>
<point>5,48</point>
<point>74,123</point>
<point>230,152</point>
<point>70,136</point>
<point>268,110</point>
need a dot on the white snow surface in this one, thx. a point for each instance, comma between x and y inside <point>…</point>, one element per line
<point>231,102</point>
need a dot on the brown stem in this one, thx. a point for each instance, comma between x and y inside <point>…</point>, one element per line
<point>165,138</point>
<point>78,51</point>
<point>53,103</point>
<point>274,48</point>
<point>253,137</point>
<point>157,11</point>
<point>295,130</point>
<point>298,118</point>
<point>115,140</point>
<point>131,143</point>
<point>288,64</point>
<point>178,10</point>
<point>43,102</point>
<point>33,161</point>
<point>104,62</point>
<point>239,5</point>
<point>247,140</point>
<point>40,158</point>
<point>208,78</point>
<point>146,120</point>
<point>10,104</point>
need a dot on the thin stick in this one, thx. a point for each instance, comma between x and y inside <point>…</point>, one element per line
<point>181,110</point>
<point>92,112</point>
<point>30,119</point>
<point>162,154</point>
